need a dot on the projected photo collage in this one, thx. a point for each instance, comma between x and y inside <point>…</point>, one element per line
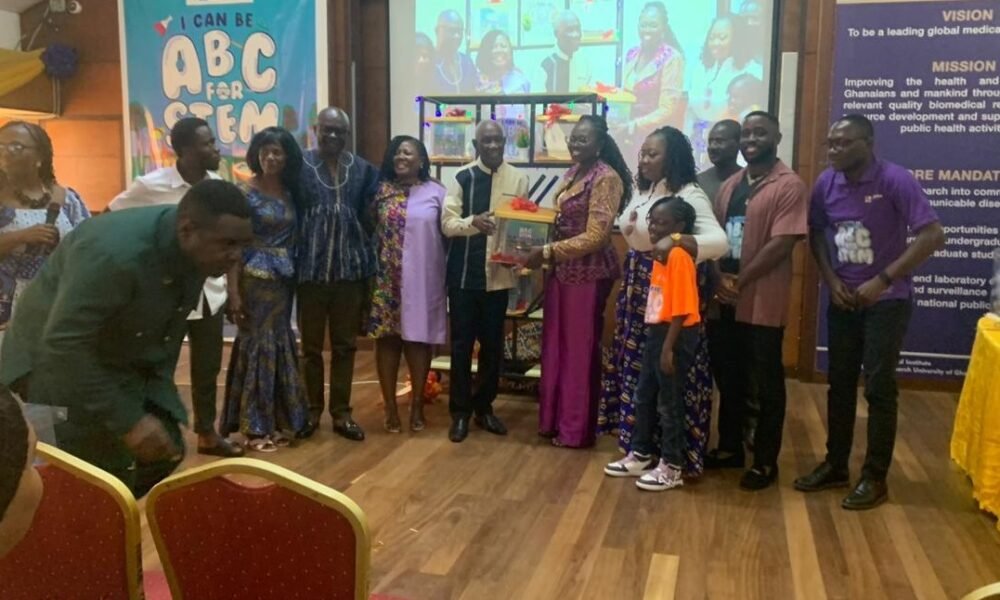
<point>674,62</point>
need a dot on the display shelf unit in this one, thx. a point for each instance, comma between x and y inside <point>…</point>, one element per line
<point>511,370</point>
<point>485,107</point>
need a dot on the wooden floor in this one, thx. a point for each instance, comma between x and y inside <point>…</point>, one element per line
<point>516,518</point>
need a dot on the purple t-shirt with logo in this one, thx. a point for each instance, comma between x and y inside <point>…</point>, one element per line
<point>867,222</point>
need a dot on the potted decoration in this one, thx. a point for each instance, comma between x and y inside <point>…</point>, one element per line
<point>522,141</point>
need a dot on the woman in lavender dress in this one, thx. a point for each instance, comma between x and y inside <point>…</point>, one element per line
<point>409,308</point>
<point>585,266</point>
<point>265,398</point>
<point>29,198</point>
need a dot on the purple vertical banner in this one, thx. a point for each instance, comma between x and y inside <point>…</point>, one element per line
<point>928,76</point>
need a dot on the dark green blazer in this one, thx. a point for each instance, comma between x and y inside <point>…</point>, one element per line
<point>100,328</point>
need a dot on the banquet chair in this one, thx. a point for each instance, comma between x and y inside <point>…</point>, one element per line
<point>987,591</point>
<point>218,536</point>
<point>84,541</point>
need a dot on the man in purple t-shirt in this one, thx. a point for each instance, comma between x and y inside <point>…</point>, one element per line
<point>861,212</point>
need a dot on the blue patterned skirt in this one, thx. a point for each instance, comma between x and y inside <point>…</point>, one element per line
<point>264,392</point>
<point>616,412</point>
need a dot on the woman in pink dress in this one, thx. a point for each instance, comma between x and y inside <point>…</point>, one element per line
<point>409,299</point>
<point>584,267</point>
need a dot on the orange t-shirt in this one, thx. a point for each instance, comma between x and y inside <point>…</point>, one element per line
<point>673,290</point>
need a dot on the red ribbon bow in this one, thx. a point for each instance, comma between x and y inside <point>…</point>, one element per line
<point>555,112</point>
<point>456,112</point>
<point>522,203</point>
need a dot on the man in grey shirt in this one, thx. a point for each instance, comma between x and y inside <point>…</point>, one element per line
<point>723,147</point>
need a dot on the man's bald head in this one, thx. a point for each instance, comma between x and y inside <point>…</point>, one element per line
<point>449,31</point>
<point>449,17</point>
<point>489,143</point>
<point>724,143</point>
<point>568,31</point>
<point>334,113</point>
<point>332,129</point>
<point>488,127</point>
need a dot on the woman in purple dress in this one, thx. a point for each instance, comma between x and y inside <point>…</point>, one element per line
<point>411,265</point>
<point>584,267</point>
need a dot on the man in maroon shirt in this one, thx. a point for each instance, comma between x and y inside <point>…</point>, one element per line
<point>763,209</point>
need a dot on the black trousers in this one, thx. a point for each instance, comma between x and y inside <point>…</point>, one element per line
<point>869,339</point>
<point>338,307</point>
<point>475,315</point>
<point>746,363</point>
<point>205,347</point>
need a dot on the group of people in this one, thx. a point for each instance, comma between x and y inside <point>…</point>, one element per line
<point>396,255</point>
<point>679,326</point>
<point>725,80</point>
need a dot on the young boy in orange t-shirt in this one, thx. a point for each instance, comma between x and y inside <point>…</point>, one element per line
<point>672,313</point>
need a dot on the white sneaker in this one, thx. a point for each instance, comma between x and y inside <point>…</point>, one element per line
<point>633,465</point>
<point>663,477</point>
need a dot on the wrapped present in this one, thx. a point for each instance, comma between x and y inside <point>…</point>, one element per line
<point>557,123</point>
<point>521,225</point>
<point>451,137</point>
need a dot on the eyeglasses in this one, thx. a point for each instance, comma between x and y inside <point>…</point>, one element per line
<point>14,148</point>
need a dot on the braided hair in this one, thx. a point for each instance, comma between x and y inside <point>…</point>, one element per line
<point>13,448</point>
<point>678,164</point>
<point>612,155</point>
<point>46,172</point>
<point>680,210</point>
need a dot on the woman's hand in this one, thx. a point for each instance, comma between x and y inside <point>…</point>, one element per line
<point>535,258</point>
<point>46,235</point>
<point>235,312</point>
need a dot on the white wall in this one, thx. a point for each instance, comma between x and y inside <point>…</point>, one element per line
<point>10,29</point>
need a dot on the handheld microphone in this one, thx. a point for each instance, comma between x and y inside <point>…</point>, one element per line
<point>51,216</point>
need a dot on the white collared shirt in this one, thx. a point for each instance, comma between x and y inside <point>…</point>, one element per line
<point>166,186</point>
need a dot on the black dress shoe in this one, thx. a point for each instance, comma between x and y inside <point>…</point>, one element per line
<point>823,477</point>
<point>491,423</point>
<point>349,429</point>
<point>869,493</point>
<point>733,461</point>
<point>307,431</point>
<point>459,429</point>
<point>758,478</point>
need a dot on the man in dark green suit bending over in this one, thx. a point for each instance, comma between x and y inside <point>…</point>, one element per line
<point>99,329</point>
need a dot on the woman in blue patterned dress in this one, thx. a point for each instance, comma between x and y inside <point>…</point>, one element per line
<point>265,398</point>
<point>28,190</point>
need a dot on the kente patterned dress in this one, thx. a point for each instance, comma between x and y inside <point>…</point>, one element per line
<point>411,264</point>
<point>575,295</point>
<point>616,412</point>
<point>18,268</point>
<point>264,392</point>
